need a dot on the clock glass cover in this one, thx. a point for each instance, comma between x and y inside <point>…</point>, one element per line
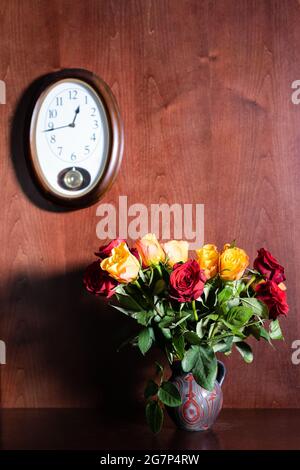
<point>69,138</point>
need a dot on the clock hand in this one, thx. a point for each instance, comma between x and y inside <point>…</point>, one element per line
<point>76,113</point>
<point>55,128</point>
<point>68,125</point>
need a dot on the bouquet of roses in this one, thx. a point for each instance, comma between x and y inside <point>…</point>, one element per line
<point>191,308</point>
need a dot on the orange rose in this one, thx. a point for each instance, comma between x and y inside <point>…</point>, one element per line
<point>208,259</point>
<point>122,265</point>
<point>233,262</point>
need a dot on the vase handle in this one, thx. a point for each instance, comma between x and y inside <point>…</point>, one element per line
<point>221,373</point>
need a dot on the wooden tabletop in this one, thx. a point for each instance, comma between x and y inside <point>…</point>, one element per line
<point>71,429</point>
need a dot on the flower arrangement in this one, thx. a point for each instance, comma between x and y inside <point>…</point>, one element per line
<point>191,308</point>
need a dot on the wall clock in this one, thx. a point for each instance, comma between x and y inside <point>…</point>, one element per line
<point>75,137</point>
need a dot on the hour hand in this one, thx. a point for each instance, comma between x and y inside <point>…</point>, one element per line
<point>77,110</point>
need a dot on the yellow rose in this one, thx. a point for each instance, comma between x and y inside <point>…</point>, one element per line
<point>121,265</point>
<point>233,262</point>
<point>208,259</point>
<point>176,251</point>
<point>150,250</point>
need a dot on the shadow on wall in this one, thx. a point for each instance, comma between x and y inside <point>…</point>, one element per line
<point>64,341</point>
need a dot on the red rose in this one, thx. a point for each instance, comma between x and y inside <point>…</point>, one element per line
<point>268,266</point>
<point>187,281</point>
<point>97,281</point>
<point>105,250</point>
<point>274,297</point>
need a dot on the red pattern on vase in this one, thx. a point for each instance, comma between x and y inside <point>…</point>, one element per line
<point>200,407</point>
<point>191,411</point>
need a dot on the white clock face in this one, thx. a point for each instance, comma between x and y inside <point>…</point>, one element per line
<point>71,134</point>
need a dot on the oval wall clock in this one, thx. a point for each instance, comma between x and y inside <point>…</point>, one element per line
<point>75,137</point>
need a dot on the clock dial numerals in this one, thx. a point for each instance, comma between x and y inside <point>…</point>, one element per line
<point>73,94</point>
<point>52,113</point>
<point>72,124</point>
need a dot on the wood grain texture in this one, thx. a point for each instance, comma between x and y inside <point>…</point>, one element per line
<point>204,89</point>
<point>80,429</point>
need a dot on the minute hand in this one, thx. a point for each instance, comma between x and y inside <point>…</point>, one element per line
<point>55,128</point>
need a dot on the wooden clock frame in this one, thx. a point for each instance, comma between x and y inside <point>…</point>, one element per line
<point>116,138</point>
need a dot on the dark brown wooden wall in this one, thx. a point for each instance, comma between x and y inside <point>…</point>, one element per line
<point>204,89</point>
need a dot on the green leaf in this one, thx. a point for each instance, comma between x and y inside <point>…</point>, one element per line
<point>179,344</point>
<point>224,295</point>
<point>166,321</point>
<point>159,368</point>
<point>151,389</point>
<point>224,346</point>
<point>258,331</point>
<point>166,332</point>
<point>239,316</point>
<point>275,330</point>
<point>264,334</point>
<point>120,289</point>
<point>192,337</point>
<point>159,306</point>
<point>234,329</point>
<point>259,308</point>
<point>213,316</point>
<point>154,416</point>
<point>129,303</point>
<point>144,318</point>
<point>145,340</point>
<point>169,394</point>
<point>159,287</point>
<point>253,271</point>
<point>183,319</point>
<point>202,362</point>
<point>199,329</point>
<point>151,275</point>
<point>169,353</point>
<point>233,244</point>
<point>233,302</point>
<point>123,310</point>
<point>206,290</point>
<point>253,330</point>
<point>245,350</point>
